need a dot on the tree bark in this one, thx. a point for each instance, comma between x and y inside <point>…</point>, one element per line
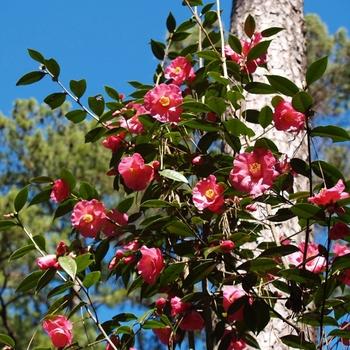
<point>286,57</point>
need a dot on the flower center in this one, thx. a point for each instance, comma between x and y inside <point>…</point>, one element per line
<point>177,70</point>
<point>88,218</point>
<point>210,193</point>
<point>164,101</point>
<point>255,169</point>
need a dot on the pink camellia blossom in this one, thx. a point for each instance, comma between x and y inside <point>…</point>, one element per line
<point>164,334</point>
<point>329,196</point>
<point>340,250</point>
<point>235,342</point>
<point>133,245</point>
<point>286,118</point>
<point>178,307</point>
<point>47,261</point>
<point>114,142</point>
<point>192,321</point>
<point>59,330</point>
<point>162,103</point>
<point>115,219</point>
<point>133,124</point>
<point>208,194</point>
<point>61,248</point>
<point>114,340</point>
<point>60,191</point>
<point>314,262</point>
<point>339,231</point>
<point>160,303</point>
<point>241,59</point>
<point>180,70</point>
<point>89,217</point>
<point>135,173</point>
<point>227,246</point>
<point>151,264</point>
<point>254,172</point>
<point>197,160</point>
<point>230,295</point>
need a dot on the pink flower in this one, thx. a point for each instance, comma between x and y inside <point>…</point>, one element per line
<point>163,334</point>
<point>314,262</point>
<point>133,124</point>
<point>197,160</point>
<point>115,341</point>
<point>230,295</point>
<point>286,118</point>
<point>339,231</point>
<point>254,172</point>
<point>235,342</point>
<point>208,194</point>
<point>340,250</point>
<point>227,246</point>
<point>192,321</point>
<point>133,245</point>
<point>179,70</point>
<point>47,261</point>
<point>61,248</point>
<point>151,264</point>
<point>162,103</point>
<point>114,142</point>
<point>115,219</point>
<point>160,303</point>
<point>60,191</point>
<point>178,307</point>
<point>135,173</point>
<point>89,217</point>
<point>329,196</point>
<point>59,330</point>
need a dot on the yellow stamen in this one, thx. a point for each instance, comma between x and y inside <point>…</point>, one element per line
<point>210,193</point>
<point>255,168</point>
<point>88,218</point>
<point>164,101</point>
<point>177,70</point>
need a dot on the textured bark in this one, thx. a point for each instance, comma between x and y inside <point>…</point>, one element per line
<point>286,57</point>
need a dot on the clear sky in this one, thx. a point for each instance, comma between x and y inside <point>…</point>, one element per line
<point>104,42</point>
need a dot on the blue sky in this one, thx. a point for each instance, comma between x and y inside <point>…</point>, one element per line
<point>104,42</point>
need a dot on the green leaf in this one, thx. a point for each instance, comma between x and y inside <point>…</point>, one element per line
<point>283,85</point>
<point>41,179</point>
<point>249,26</point>
<point>155,203</point>
<point>124,317</point>
<point>220,79</point>
<point>282,214</point>
<point>265,116</point>
<point>29,282</point>
<point>125,204</point>
<point>216,104</point>
<point>6,224</point>
<point>235,44</point>
<point>111,92</point>
<point>39,241</point>
<point>316,70</point>
<point>36,56</point>
<point>300,167</point>
<point>258,50</point>
<point>45,279</point>
<point>21,252</point>
<point>200,125</point>
<point>278,251</point>
<point>258,264</point>
<point>335,133</point>
<point>260,88</point>
<point>302,102</point>
<point>5,339</point>
<point>298,342</point>
<point>327,171</point>
<point>301,276</point>
<point>173,175</point>
<point>199,273</point>
<point>78,87</point>
<point>60,289</point>
<point>53,67</point>
<point>308,211</point>
<point>341,333</point>
<point>68,177</point>
<point>95,134</point>
<point>208,55</point>
<point>91,279</point>
<point>83,261</point>
<point>196,107</point>
<point>171,273</point>
<point>56,99</point>
<point>237,128</point>
<point>87,192</point>
<point>341,262</point>
<point>151,324</point>
<point>97,104</point>
<point>158,49</point>
<point>64,207</point>
<point>271,31</point>
<point>21,199</point>
<point>171,23</point>
<point>193,3</point>
<point>41,197</point>
<point>178,228</point>
<point>30,78</point>
<point>68,265</point>
<point>257,315</point>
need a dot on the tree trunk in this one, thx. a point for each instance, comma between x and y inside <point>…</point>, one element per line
<point>286,57</point>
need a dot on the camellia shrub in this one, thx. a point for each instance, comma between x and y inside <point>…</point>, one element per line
<point>178,237</point>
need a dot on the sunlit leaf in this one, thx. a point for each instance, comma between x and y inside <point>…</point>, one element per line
<point>335,133</point>
<point>91,279</point>
<point>68,265</point>
<point>173,175</point>
<point>283,85</point>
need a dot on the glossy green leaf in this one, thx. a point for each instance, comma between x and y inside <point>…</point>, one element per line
<point>237,128</point>
<point>210,18</point>
<point>271,31</point>
<point>297,342</point>
<point>53,67</point>
<point>30,78</point>
<point>6,224</point>
<point>281,215</point>
<point>30,281</point>
<point>83,261</point>
<point>265,116</point>
<point>173,175</point>
<point>21,252</point>
<point>60,289</point>
<point>171,273</point>
<point>235,97</point>
<point>302,101</point>
<point>301,276</point>
<point>68,265</point>
<point>41,197</point>
<point>36,56</point>
<point>5,339</point>
<point>257,315</point>
<point>316,70</point>
<point>68,177</point>
<point>199,273</point>
<point>61,303</point>
<point>220,79</point>
<point>152,324</point>
<point>158,49</point>
<point>178,228</point>
<point>64,207</point>
<point>125,204</point>
<point>180,36</point>
<point>300,167</point>
<point>283,85</point>
<point>235,44</point>
<point>258,50</point>
<point>41,179</point>
<point>216,104</point>
<point>258,264</point>
<point>124,317</point>
<point>335,133</point>
<point>87,192</point>
<point>154,203</point>
<point>327,172</point>
<point>97,104</point>
<point>308,211</point>
<point>278,251</point>
<point>260,88</point>
<point>21,199</point>
<point>196,107</point>
<point>45,279</point>
<point>91,279</point>
<point>56,99</point>
<point>249,26</point>
<point>78,87</point>
<point>341,262</point>
<point>208,55</point>
<point>113,93</point>
<point>193,3</point>
<point>171,23</point>
<point>39,241</point>
<point>200,125</point>
<point>341,333</point>
<point>95,134</point>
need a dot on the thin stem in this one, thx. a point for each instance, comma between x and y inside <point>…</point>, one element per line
<point>222,39</point>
